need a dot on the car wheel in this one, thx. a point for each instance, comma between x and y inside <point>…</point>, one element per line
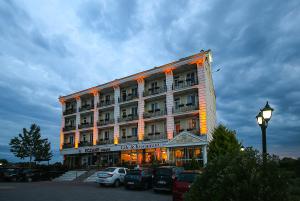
<point>117,183</point>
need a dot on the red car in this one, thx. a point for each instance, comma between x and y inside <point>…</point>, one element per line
<point>183,183</point>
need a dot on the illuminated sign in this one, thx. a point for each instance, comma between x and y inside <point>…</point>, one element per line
<point>141,146</point>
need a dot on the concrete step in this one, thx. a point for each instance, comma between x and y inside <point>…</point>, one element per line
<point>70,175</point>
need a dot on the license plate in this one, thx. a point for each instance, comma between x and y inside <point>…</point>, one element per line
<point>161,182</point>
<point>130,182</point>
<point>101,180</point>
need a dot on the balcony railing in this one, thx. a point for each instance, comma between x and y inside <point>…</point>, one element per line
<point>68,145</point>
<point>154,113</point>
<point>86,125</point>
<point>103,122</point>
<point>69,111</point>
<point>185,108</point>
<point>86,107</point>
<point>105,141</point>
<point>69,128</point>
<point>191,130</point>
<point>181,84</point>
<point>124,139</point>
<point>155,90</point>
<point>84,144</point>
<point>155,136</point>
<point>105,103</point>
<point>129,117</point>
<point>128,97</point>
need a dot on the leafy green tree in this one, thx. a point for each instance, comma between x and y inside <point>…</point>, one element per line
<point>44,152</point>
<point>224,141</point>
<point>240,176</point>
<point>29,143</point>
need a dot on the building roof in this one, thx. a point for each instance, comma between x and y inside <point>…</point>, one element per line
<point>139,75</point>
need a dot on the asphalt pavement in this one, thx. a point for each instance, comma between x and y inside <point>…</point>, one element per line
<point>70,191</point>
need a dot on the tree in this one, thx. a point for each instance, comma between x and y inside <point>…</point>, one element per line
<point>240,176</point>
<point>29,144</point>
<point>44,152</point>
<point>224,141</point>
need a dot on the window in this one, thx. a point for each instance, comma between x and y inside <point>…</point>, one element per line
<point>71,139</point>
<point>154,85</point>
<point>107,116</point>
<point>84,137</point>
<point>177,126</point>
<point>123,112</point>
<point>134,111</point>
<point>124,94</point>
<point>134,91</point>
<point>176,81</point>
<point>134,131</point>
<point>107,98</point>
<point>190,77</point>
<point>177,103</point>
<point>122,171</point>
<point>192,123</point>
<point>106,135</point>
<point>191,100</point>
<point>123,133</point>
<point>152,128</point>
<point>84,120</point>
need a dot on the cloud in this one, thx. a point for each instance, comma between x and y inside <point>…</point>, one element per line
<point>56,48</point>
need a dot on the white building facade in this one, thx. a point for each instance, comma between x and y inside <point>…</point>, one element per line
<point>166,114</point>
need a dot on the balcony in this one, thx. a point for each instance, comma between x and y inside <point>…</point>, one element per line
<point>105,141</point>
<point>84,144</point>
<point>181,84</point>
<point>155,90</point>
<point>154,113</point>
<point>191,130</point>
<point>185,108</point>
<point>86,125</point>
<point>125,139</point>
<point>104,122</point>
<point>69,128</point>
<point>105,103</point>
<point>86,107</point>
<point>128,97</point>
<point>155,136</point>
<point>129,117</point>
<point>69,111</point>
<point>68,145</point>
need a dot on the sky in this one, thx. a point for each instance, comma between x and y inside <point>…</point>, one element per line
<point>53,48</point>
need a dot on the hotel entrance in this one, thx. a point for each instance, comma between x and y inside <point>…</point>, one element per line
<point>144,156</point>
<point>182,155</point>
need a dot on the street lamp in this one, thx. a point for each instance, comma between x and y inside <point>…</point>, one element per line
<point>263,118</point>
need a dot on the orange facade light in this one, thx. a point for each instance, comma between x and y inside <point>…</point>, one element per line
<point>94,91</point>
<point>61,140</point>
<point>116,140</point>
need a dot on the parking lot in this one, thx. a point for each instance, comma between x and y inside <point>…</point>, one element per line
<point>67,191</point>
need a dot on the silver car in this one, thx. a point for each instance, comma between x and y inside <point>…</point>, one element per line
<point>111,176</point>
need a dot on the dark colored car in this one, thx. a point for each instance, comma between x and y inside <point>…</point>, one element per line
<point>140,178</point>
<point>10,174</point>
<point>164,177</point>
<point>182,184</point>
<point>32,175</point>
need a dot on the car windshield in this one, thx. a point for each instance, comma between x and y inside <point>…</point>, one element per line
<point>109,169</point>
<point>187,177</point>
<point>164,171</point>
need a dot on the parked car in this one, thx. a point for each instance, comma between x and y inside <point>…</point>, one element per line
<point>183,183</point>
<point>32,175</point>
<point>139,178</point>
<point>111,176</point>
<point>11,174</point>
<point>164,177</point>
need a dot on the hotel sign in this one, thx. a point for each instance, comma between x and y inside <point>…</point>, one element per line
<point>97,149</point>
<point>141,146</point>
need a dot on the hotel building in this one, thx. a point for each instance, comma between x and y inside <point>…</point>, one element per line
<point>165,114</point>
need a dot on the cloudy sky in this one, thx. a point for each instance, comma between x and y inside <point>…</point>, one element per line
<point>52,48</point>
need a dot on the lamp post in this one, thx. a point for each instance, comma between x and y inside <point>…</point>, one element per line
<point>263,118</point>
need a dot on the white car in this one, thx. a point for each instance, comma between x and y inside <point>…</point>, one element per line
<point>111,176</point>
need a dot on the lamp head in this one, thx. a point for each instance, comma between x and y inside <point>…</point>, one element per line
<point>259,118</point>
<point>267,112</point>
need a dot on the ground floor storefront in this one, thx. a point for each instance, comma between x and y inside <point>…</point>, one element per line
<point>181,150</point>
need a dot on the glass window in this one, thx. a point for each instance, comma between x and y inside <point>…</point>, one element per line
<point>122,171</point>
<point>134,131</point>
<point>187,177</point>
<point>124,132</point>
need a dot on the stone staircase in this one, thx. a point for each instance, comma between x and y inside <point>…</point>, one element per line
<point>92,177</point>
<point>70,175</point>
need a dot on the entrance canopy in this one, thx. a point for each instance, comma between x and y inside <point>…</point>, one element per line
<point>186,138</point>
